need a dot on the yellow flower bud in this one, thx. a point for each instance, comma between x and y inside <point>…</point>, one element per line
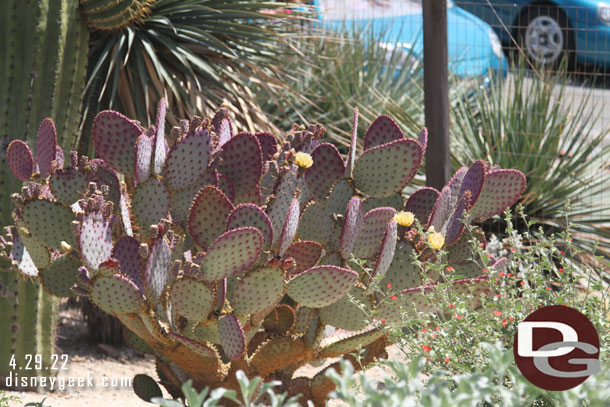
<point>303,160</point>
<point>404,218</point>
<point>436,240</point>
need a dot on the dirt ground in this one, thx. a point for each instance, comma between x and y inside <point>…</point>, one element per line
<point>106,371</point>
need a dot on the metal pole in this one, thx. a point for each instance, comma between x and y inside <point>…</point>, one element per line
<point>436,92</point>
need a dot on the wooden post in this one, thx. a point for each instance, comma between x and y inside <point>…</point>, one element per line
<point>436,92</point>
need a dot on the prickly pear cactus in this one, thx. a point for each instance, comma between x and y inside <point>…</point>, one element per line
<point>223,251</point>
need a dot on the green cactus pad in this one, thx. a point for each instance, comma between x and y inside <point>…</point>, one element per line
<point>386,169</point>
<point>252,215</point>
<point>347,342</point>
<point>351,157</point>
<point>242,162</point>
<point>383,130</point>
<point>304,317</point>
<point>109,267</point>
<point>331,259</point>
<point>126,251</point>
<point>146,387</point>
<point>156,271</point>
<point>21,255</point>
<point>258,290</point>
<point>320,286</point>
<point>402,273</point>
<point>161,147</point>
<point>352,224</point>
<point>232,336</point>
<point>20,160</point>
<point>181,200</point>
<point>106,175</point>
<point>46,146</point>
<point>116,295</point>
<point>305,253</point>
<point>347,315</point>
<point>280,320</point>
<point>386,252</point>
<point>467,269</point>
<point>144,150</point>
<point>372,232</point>
<point>36,250</point>
<point>136,343</point>
<point>339,197</point>
<point>115,136</point>
<point>502,188</point>
<point>208,216</point>
<point>68,186</point>
<point>393,313</point>
<point>50,222</point>
<point>200,348</point>
<point>284,194</point>
<point>95,240</point>
<point>473,289</point>
<point>206,333</point>
<point>191,299</point>
<point>462,250</point>
<point>421,204</point>
<point>314,224</point>
<point>60,276</point>
<point>188,159</point>
<point>328,167</point>
<point>232,253</point>
<point>291,225</point>
<point>150,203</point>
<point>473,180</point>
<point>268,145</point>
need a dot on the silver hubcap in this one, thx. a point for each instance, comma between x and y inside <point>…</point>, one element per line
<point>544,40</point>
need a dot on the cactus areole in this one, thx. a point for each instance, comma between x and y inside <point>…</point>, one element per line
<point>222,251</point>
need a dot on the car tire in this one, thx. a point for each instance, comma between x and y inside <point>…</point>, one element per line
<point>546,36</point>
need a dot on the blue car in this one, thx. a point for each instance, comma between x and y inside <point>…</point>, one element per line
<point>474,48</point>
<point>552,29</point>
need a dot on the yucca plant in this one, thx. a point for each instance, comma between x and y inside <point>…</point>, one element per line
<point>351,67</point>
<point>195,53</point>
<point>523,122</point>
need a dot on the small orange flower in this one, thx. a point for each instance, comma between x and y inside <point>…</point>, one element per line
<point>394,297</point>
<point>446,360</point>
<point>512,319</point>
<point>389,285</point>
<point>458,317</point>
<point>561,270</point>
<point>449,268</point>
<point>504,323</point>
<point>497,313</point>
<point>522,283</point>
<point>426,348</point>
<point>424,330</point>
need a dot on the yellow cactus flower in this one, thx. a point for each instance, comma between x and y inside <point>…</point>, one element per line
<point>404,218</point>
<point>303,160</point>
<point>436,240</point>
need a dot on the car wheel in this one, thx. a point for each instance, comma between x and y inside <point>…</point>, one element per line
<point>546,36</point>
